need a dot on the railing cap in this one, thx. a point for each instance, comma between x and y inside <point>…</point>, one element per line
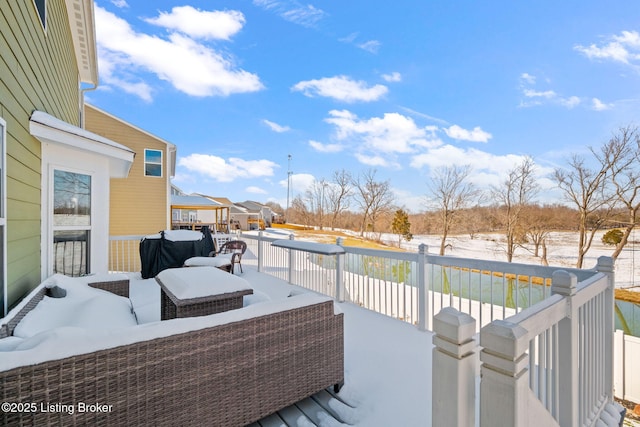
<point>505,338</point>
<point>564,283</point>
<point>454,326</point>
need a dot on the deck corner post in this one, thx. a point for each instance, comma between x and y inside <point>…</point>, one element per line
<point>340,291</point>
<point>453,369</point>
<point>424,320</point>
<point>260,252</point>
<point>292,261</point>
<point>504,388</point>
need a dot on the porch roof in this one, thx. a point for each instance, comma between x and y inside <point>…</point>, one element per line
<point>49,129</point>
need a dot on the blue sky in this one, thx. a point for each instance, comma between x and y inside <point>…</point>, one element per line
<point>399,87</point>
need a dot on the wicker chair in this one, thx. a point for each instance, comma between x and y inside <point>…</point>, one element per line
<point>236,248</point>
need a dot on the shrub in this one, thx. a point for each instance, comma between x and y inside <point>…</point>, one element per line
<point>612,237</point>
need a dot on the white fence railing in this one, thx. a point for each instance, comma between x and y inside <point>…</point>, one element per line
<point>410,286</point>
<point>546,334</point>
<point>553,360</point>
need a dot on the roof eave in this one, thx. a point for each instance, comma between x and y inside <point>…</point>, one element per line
<point>82,26</point>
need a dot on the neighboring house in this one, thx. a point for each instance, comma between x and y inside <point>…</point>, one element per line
<point>193,211</point>
<point>262,212</point>
<point>141,202</point>
<point>54,175</point>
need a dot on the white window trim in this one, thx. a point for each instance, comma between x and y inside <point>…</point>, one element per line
<point>161,163</point>
<point>42,22</point>
<point>53,228</point>
<point>3,211</point>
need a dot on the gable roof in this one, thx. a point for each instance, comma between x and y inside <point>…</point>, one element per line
<point>193,202</point>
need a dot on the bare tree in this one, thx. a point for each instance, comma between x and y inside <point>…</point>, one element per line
<point>373,197</point>
<point>587,189</point>
<point>622,156</point>
<point>315,196</point>
<point>452,192</point>
<point>299,212</point>
<point>516,192</point>
<point>339,193</point>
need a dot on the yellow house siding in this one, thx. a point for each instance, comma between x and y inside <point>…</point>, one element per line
<point>138,202</point>
<point>38,71</point>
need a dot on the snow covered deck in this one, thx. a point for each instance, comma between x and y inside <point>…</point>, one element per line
<point>387,363</point>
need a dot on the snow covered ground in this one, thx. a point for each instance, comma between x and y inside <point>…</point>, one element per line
<point>562,250</point>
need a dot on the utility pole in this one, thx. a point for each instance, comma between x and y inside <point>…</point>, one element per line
<point>286,216</point>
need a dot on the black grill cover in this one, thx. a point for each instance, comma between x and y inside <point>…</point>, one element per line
<point>157,254</point>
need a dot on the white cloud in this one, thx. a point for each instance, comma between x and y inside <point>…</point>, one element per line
<point>227,170</point>
<point>371,46</point>
<point>570,102</point>
<point>392,133</point>
<point>548,94</point>
<point>120,3</point>
<point>341,88</point>
<point>598,105</point>
<point>293,11</point>
<point>191,67</point>
<point>201,23</point>
<point>392,77</point>
<point>373,160</point>
<point>475,135</point>
<point>276,127</point>
<point>623,48</point>
<point>255,190</point>
<point>300,182</point>
<point>537,97</point>
<point>326,148</point>
<point>528,78</point>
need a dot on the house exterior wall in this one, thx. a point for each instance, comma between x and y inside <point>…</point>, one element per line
<point>38,71</point>
<point>139,204</point>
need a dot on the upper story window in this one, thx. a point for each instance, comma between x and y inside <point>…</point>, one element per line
<point>152,162</point>
<point>41,6</point>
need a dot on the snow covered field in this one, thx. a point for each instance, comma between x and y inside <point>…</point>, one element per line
<point>562,250</point>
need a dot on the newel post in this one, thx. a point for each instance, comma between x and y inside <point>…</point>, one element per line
<point>424,321</point>
<point>453,371</point>
<point>340,291</point>
<point>260,251</point>
<point>565,284</point>
<point>291,261</point>
<point>504,388</point>
<point>606,266</point>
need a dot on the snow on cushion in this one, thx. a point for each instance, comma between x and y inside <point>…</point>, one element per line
<point>207,261</point>
<point>82,306</point>
<point>255,298</point>
<point>9,343</point>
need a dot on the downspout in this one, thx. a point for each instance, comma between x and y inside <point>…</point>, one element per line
<point>82,91</point>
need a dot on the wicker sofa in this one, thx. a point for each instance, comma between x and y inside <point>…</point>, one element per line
<point>226,369</point>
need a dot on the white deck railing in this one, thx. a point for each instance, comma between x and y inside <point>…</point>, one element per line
<point>551,364</point>
<point>546,334</point>
<point>407,285</point>
<point>410,286</point>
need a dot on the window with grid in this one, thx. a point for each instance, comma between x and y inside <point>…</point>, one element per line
<point>152,162</point>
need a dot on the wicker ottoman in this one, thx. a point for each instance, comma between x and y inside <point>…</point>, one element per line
<point>199,291</point>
